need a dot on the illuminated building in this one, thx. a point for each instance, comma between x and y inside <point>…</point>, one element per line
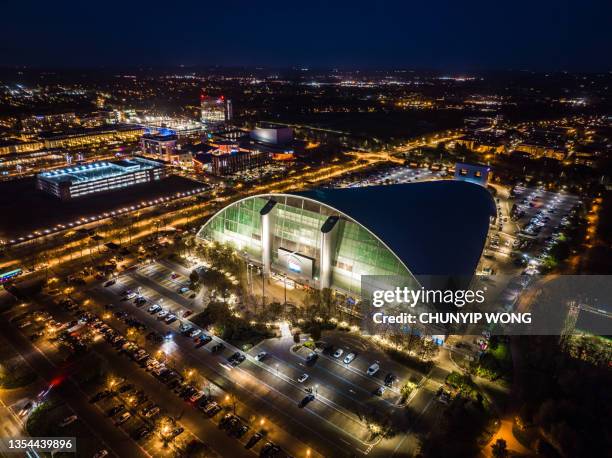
<point>39,123</point>
<point>237,161</point>
<point>215,112</point>
<point>276,141</point>
<point>538,150</point>
<point>17,147</point>
<point>71,182</point>
<point>86,137</point>
<point>160,145</point>
<point>272,135</point>
<point>473,173</point>
<point>330,238</point>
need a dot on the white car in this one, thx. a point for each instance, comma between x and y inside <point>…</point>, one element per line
<point>338,353</point>
<point>373,369</point>
<point>261,355</point>
<point>302,378</point>
<point>195,333</point>
<point>163,313</point>
<point>349,358</point>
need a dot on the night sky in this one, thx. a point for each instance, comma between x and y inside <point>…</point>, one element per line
<point>424,34</point>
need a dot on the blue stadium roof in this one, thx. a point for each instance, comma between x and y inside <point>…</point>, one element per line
<point>434,227</point>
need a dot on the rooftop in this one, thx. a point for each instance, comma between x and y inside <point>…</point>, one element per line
<point>99,170</point>
<point>434,227</point>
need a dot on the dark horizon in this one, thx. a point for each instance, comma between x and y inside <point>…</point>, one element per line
<point>441,36</point>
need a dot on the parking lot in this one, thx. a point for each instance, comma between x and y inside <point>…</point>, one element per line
<point>394,175</point>
<point>341,392</point>
<point>529,223</point>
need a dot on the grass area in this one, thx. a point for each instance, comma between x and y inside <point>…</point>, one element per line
<point>464,385</point>
<point>44,419</point>
<point>406,390</point>
<point>496,362</point>
<point>410,361</point>
<point>237,331</point>
<point>466,425</point>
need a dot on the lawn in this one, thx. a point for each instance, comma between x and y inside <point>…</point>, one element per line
<point>496,362</point>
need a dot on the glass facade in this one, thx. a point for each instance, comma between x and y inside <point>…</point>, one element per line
<point>296,228</point>
<point>238,225</point>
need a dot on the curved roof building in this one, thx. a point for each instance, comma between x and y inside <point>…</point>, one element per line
<point>331,237</point>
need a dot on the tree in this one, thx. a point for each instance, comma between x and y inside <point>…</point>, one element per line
<point>315,332</point>
<point>500,449</point>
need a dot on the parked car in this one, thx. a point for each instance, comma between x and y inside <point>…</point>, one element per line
<point>125,416</point>
<point>373,369</point>
<point>349,358</point>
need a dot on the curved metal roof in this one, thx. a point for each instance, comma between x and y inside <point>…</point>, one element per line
<point>434,227</point>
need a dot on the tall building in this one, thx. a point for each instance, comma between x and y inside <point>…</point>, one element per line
<point>216,112</point>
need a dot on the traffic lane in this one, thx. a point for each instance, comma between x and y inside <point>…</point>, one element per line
<point>322,406</point>
<point>163,273</point>
<point>151,295</point>
<point>278,406</point>
<point>329,431</point>
<point>154,285</point>
<point>122,445</point>
<point>366,354</point>
<point>339,384</point>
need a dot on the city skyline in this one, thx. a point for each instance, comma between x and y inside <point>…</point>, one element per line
<point>286,230</point>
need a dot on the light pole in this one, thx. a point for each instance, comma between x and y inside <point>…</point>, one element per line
<point>230,397</point>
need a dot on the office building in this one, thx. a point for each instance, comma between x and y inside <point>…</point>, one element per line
<point>215,112</point>
<point>97,177</point>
